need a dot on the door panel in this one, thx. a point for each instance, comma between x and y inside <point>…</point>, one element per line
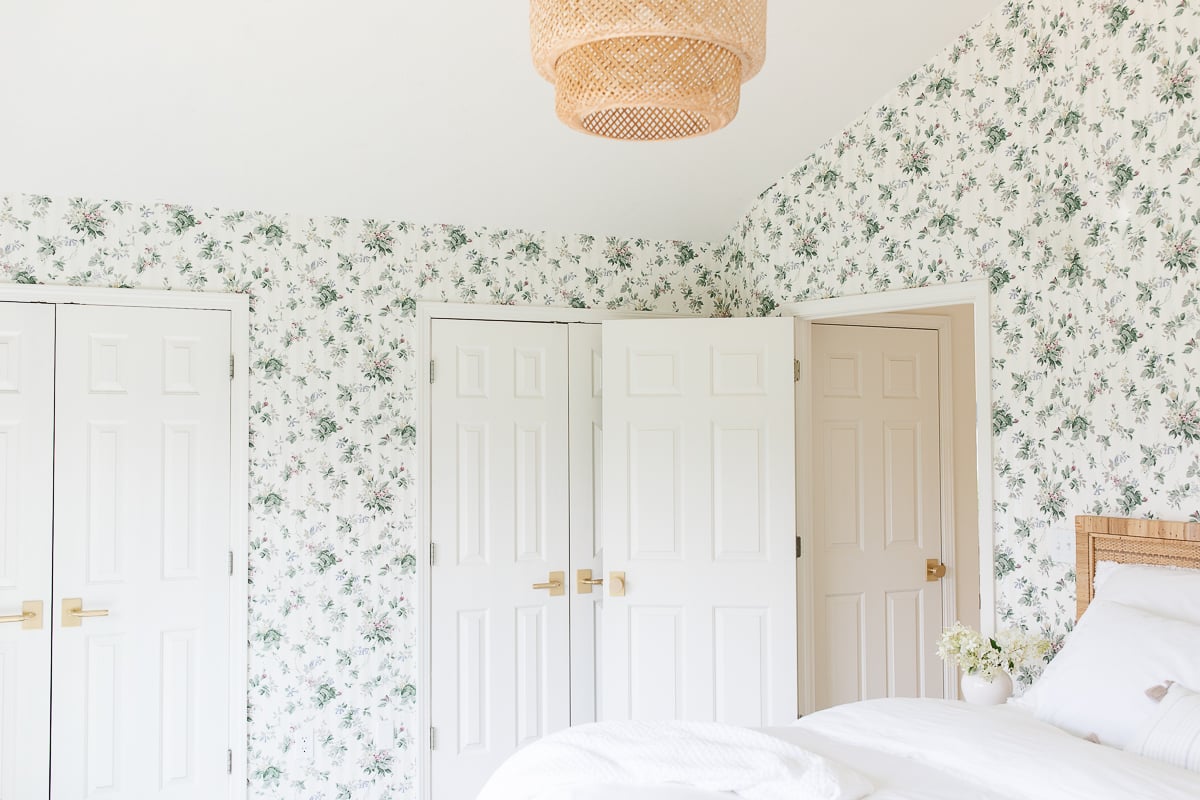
<point>142,510</point>
<point>699,512</point>
<point>877,512</point>
<point>26,509</point>
<point>500,523</point>
<point>741,641</point>
<point>587,458</point>
<point>656,674</point>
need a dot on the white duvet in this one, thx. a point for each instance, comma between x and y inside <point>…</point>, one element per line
<point>701,755</point>
<point>881,749</point>
<point>1001,751</point>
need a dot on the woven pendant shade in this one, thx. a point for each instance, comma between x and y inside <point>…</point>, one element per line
<point>648,69</point>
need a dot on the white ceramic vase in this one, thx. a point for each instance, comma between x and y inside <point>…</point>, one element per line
<point>981,691</point>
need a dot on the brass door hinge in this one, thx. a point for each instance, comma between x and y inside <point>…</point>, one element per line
<point>795,370</point>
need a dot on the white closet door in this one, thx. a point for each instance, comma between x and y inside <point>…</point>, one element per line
<point>587,450</point>
<point>876,513</point>
<point>26,507</point>
<point>500,524</point>
<point>142,532</point>
<point>699,513</point>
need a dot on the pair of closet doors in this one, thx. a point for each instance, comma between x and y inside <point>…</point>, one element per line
<point>612,522</point>
<point>114,552</point>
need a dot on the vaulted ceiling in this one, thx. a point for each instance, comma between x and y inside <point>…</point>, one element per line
<point>424,111</point>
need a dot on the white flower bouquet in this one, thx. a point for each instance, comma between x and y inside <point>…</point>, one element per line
<point>975,654</point>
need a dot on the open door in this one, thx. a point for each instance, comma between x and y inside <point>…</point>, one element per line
<point>877,513</point>
<point>699,521</point>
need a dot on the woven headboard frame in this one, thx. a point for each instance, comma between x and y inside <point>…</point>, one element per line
<point>1130,541</point>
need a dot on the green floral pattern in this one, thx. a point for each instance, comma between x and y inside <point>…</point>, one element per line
<point>333,622</point>
<point>1052,150</point>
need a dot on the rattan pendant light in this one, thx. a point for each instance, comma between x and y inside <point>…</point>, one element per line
<point>648,69</point>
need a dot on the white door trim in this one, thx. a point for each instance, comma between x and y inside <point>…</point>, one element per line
<point>426,313</point>
<point>239,453</point>
<point>973,293</point>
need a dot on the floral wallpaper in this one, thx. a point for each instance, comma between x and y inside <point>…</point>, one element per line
<point>1054,150</point>
<point>333,626</point>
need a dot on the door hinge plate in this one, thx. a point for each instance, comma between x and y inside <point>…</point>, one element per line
<point>231,563</point>
<point>432,738</point>
<point>432,370</point>
<point>795,370</point>
<point>231,366</point>
<point>799,547</point>
<point>229,762</point>
<point>432,554</point>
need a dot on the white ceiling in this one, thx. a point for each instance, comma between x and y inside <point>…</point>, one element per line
<point>425,111</point>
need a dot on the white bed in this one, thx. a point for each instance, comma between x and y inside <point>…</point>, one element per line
<point>894,749</point>
<point>943,750</point>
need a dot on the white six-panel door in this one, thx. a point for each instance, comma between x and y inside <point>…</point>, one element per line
<point>699,514</point>
<point>142,533</point>
<point>26,509</point>
<point>877,513</point>
<point>499,522</point>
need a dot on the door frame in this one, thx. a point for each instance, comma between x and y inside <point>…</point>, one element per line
<point>427,312</point>
<point>238,305</point>
<point>973,293</point>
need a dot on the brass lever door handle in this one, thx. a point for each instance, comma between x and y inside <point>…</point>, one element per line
<point>30,616</point>
<point>935,570</point>
<point>584,581</point>
<point>73,613</point>
<point>555,584</point>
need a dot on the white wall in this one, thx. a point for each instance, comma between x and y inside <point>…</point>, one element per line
<point>410,110</point>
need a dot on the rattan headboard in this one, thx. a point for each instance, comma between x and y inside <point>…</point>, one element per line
<point>1130,541</point>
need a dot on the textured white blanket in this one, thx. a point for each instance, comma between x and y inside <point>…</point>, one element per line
<point>700,755</point>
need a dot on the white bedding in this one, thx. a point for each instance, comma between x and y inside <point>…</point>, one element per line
<point>701,755</point>
<point>1000,751</point>
<point>940,750</point>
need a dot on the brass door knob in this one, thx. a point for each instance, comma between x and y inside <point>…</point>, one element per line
<point>935,570</point>
<point>616,584</point>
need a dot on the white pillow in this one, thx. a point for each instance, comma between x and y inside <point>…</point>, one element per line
<point>1172,733</point>
<point>1097,684</point>
<point>1167,591</point>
